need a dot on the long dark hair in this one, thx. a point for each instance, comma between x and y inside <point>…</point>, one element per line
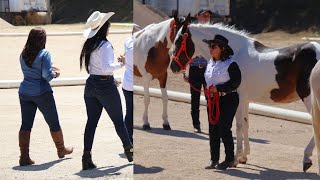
<point>92,44</point>
<point>36,41</point>
<point>225,53</point>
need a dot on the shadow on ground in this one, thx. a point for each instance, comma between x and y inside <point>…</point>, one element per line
<point>267,173</point>
<point>185,134</point>
<point>139,169</point>
<point>38,167</point>
<point>102,171</point>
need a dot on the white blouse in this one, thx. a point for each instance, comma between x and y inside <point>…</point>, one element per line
<point>102,60</point>
<point>127,78</point>
<point>217,72</point>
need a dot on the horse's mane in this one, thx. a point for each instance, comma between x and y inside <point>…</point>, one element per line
<point>223,27</point>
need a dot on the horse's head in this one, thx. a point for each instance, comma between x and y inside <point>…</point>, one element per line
<point>175,25</point>
<point>184,48</point>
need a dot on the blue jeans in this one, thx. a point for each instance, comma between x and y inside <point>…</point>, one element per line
<point>129,112</point>
<point>101,92</point>
<point>47,107</point>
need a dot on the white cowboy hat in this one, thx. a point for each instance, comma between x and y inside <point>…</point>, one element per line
<point>95,22</point>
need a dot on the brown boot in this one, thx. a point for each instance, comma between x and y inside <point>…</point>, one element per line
<point>58,140</point>
<point>24,142</point>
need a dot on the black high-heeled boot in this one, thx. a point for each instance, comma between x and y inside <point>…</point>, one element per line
<point>87,161</point>
<point>128,151</point>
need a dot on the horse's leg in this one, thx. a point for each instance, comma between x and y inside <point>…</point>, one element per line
<point>240,114</point>
<point>163,82</point>
<point>315,101</point>
<point>316,123</point>
<point>307,162</point>
<point>147,78</point>
<point>245,127</point>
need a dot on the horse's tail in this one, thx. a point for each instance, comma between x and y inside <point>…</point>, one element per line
<point>315,102</point>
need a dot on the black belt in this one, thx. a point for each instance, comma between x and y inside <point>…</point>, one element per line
<point>224,93</point>
<point>198,65</point>
<point>102,77</point>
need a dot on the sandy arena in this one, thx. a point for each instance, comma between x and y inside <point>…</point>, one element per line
<point>276,146</point>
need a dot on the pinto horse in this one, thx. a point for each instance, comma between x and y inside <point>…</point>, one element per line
<point>269,75</point>
<point>315,101</point>
<point>151,60</point>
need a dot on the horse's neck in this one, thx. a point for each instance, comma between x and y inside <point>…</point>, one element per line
<point>161,31</point>
<point>236,42</point>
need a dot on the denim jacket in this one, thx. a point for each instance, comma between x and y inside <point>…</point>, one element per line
<point>36,79</point>
<point>199,61</point>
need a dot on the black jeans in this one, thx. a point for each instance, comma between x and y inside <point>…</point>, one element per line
<point>196,78</point>
<point>128,120</point>
<point>46,105</point>
<point>103,93</point>
<point>222,130</point>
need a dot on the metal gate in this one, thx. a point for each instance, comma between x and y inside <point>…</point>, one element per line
<point>4,6</point>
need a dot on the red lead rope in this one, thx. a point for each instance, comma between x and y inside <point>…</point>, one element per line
<point>212,102</point>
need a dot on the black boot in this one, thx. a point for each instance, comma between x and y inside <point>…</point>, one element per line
<point>128,151</point>
<point>87,161</point>
<point>212,165</point>
<point>225,164</point>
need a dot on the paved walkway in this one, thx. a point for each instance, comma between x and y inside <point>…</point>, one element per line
<point>107,147</point>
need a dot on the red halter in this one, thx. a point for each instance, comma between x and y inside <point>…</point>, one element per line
<point>212,103</point>
<point>183,48</point>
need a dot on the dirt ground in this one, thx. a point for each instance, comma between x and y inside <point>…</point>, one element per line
<point>107,150</point>
<point>64,50</point>
<point>276,146</point>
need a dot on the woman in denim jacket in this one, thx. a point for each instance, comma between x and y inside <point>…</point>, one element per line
<point>35,93</point>
<point>100,89</point>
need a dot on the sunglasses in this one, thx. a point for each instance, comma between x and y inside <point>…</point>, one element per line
<point>213,46</point>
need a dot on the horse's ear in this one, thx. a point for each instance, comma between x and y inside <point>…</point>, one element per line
<point>188,18</point>
<point>175,15</point>
<point>187,21</point>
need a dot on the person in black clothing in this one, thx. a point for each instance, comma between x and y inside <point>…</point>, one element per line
<point>224,75</point>
<point>196,75</point>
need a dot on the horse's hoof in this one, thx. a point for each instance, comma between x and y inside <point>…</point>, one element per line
<point>306,166</point>
<point>166,127</point>
<point>243,160</point>
<point>146,127</point>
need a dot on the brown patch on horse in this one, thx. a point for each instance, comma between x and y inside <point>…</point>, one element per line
<point>158,59</point>
<point>173,30</point>
<point>261,48</point>
<point>294,65</point>
<point>136,71</point>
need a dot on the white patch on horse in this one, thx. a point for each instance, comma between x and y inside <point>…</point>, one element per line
<point>145,41</point>
<point>263,72</point>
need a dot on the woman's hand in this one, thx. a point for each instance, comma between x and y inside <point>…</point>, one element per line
<point>122,60</point>
<point>185,78</point>
<point>213,90</point>
<point>56,72</point>
<point>117,82</point>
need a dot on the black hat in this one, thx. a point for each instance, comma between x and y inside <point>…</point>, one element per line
<point>219,39</point>
<point>202,11</point>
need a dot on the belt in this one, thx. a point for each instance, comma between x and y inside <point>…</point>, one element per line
<point>224,93</point>
<point>102,77</point>
<point>200,66</point>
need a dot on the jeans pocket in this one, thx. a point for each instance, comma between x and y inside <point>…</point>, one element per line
<point>106,89</point>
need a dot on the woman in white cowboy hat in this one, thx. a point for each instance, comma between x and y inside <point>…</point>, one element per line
<point>224,76</point>
<point>101,90</point>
